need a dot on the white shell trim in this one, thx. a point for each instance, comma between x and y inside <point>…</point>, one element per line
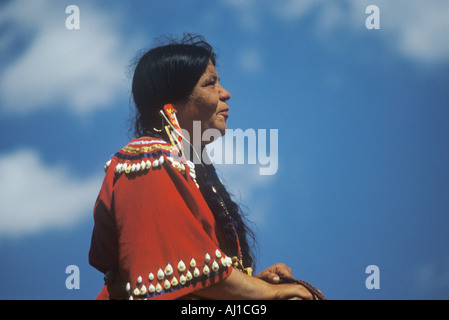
<point>166,279</point>
<point>167,285</point>
<point>206,270</point>
<point>181,266</point>
<point>129,167</point>
<point>160,274</point>
<point>168,270</point>
<point>134,167</point>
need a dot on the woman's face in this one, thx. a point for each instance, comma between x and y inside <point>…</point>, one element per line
<point>207,104</point>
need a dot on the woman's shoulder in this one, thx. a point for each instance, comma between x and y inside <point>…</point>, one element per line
<point>144,154</point>
<point>148,147</point>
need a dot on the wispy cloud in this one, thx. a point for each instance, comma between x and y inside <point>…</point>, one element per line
<point>248,13</point>
<point>35,196</point>
<point>414,29</point>
<point>250,59</point>
<point>79,70</point>
<point>420,28</point>
<point>293,10</point>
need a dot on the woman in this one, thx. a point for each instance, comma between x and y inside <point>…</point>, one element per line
<point>166,228</point>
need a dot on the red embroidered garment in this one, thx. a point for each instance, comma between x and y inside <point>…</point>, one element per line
<point>153,226</point>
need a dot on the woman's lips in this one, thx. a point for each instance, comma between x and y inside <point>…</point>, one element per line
<point>224,113</point>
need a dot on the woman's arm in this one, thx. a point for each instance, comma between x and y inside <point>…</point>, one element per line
<point>240,286</point>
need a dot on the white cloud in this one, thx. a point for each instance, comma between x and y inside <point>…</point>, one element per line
<point>81,70</point>
<point>420,27</point>
<point>416,29</point>
<point>35,196</point>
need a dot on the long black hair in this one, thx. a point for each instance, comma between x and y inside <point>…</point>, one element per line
<point>167,74</point>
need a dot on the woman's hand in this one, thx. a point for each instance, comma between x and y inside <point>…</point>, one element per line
<point>274,273</point>
<point>240,286</point>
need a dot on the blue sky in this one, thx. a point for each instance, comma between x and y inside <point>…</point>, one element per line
<point>362,119</point>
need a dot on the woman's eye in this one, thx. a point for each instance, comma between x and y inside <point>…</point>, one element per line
<point>210,83</point>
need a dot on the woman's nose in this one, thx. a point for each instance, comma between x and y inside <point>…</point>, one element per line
<point>224,94</point>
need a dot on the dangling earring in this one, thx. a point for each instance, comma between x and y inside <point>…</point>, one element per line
<point>173,129</point>
<point>170,112</point>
